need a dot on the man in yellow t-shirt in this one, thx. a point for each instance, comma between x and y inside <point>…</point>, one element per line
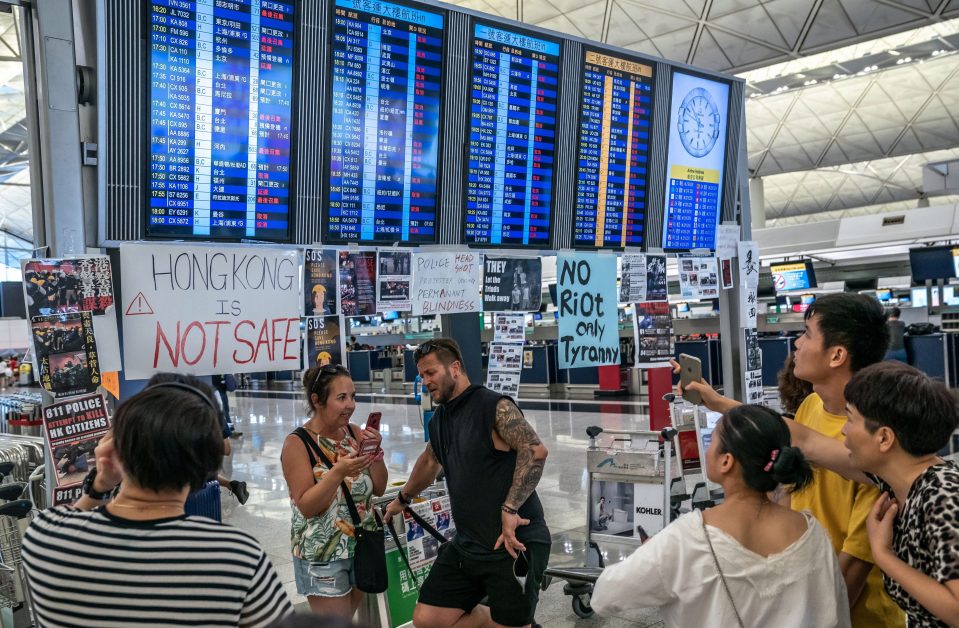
<point>844,333</point>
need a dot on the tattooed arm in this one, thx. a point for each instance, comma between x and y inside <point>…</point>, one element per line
<point>517,434</point>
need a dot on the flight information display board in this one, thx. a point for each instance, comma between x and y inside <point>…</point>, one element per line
<point>698,121</point>
<point>385,128</point>
<point>512,133</point>
<point>614,137</point>
<point>220,107</point>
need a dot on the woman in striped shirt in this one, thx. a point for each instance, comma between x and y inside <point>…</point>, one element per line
<point>135,558</point>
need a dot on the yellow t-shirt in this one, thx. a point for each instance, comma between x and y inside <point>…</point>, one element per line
<point>842,506</point>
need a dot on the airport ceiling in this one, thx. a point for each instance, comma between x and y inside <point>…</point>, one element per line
<point>846,99</point>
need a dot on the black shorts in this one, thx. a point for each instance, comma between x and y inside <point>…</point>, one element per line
<point>457,581</point>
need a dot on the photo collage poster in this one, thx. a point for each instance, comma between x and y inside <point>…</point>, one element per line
<point>358,283</point>
<point>73,285</point>
<point>506,354</point>
<point>394,281</point>
<point>698,278</point>
<point>66,352</point>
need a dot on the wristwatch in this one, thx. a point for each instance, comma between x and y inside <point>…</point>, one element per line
<point>88,487</point>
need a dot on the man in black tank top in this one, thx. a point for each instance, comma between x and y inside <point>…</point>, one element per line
<point>493,461</point>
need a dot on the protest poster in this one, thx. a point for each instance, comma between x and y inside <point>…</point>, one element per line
<point>422,547</point>
<point>80,284</point>
<point>698,278</point>
<point>509,327</point>
<point>504,382</point>
<point>727,237</point>
<point>320,274</point>
<point>209,309</point>
<point>655,278</point>
<point>358,283</point>
<point>393,282</point>
<point>754,356</point>
<point>653,329</point>
<point>447,283</point>
<point>512,284</point>
<point>749,307</point>
<point>66,352</point>
<point>72,429</point>
<point>749,264</point>
<point>588,320</point>
<point>726,273</point>
<point>642,278</point>
<point>324,341</point>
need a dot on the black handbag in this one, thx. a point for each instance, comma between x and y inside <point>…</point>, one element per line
<point>369,555</point>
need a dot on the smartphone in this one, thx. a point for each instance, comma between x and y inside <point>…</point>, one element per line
<point>691,371</point>
<point>369,447</point>
<point>373,421</point>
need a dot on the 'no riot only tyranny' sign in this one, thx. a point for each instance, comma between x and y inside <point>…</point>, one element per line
<point>588,322</point>
<point>209,309</point>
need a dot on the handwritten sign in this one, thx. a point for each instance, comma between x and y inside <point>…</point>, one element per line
<point>447,283</point>
<point>209,309</point>
<point>588,322</point>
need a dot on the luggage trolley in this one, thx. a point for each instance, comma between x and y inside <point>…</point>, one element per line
<point>635,468</point>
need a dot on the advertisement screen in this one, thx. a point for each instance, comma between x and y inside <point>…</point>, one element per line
<point>698,122</point>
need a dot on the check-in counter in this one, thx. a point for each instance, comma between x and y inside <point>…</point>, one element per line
<point>358,363</point>
<point>934,355</point>
<point>775,351</point>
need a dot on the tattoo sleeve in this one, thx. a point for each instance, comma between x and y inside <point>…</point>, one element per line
<point>513,428</point>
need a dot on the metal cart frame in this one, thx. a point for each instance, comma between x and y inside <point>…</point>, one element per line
<point>635,457</point>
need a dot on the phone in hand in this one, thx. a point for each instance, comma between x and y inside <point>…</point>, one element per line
<point>691,370</point>
<point>369,447</point>
<point>373,421</point>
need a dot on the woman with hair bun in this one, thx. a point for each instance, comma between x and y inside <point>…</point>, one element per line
<point>323,534</point>
<point>748,561</point>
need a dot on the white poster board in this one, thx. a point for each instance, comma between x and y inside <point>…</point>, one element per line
<point>447,283</point>
<point>209,309</point>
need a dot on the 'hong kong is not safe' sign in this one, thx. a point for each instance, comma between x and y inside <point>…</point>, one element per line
<point>588,321</point>
<point>209,309</point>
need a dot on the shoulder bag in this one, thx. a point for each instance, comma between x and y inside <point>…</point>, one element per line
<point>369,556</point>
<point>721,576</point>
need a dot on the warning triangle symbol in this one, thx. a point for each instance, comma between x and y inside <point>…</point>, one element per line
<point>139,306</point>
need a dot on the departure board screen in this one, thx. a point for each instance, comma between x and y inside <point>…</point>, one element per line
<point>614,129</point>
<point>512,133</point>
<point>385,128</point>
<point>220,107</point>
<point>695,164</point>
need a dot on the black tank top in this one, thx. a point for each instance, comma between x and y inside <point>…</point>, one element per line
<point>478,475</point>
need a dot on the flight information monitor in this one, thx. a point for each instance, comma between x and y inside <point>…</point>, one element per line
<point>385,128</point>
<point>698,121</point>
<point>614,126</point>
<point>512,135</point>
<point>220,107</point>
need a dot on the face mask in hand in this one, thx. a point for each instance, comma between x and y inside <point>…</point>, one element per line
<point>521,570</point>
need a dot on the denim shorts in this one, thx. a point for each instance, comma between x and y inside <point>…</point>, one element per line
<point>332,579</point>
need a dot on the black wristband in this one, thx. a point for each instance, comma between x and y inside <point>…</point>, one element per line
<point>88,487</point>
<point>509,510</point>
<point>403,498</point>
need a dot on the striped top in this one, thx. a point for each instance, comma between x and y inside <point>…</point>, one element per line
<point>92,568</point>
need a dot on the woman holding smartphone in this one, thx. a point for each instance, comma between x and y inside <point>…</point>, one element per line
<point>319,458</point>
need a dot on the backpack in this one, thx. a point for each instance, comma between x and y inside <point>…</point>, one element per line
<point>921,329</point>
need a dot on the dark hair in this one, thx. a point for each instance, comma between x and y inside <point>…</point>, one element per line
<point>855,322</point>
<point>317,381</point>
<point>792,390</point>
<point>752,434</point>
<point>314,621</point>
<point>167,438</point>
<point>446,349</point>
<point>896,312</point>
<point>182,378</point>
<point>920,411</point>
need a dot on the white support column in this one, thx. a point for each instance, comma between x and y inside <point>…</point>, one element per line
<point>757,202</point>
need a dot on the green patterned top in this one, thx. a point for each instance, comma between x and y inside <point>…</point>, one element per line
<point>329,535</point>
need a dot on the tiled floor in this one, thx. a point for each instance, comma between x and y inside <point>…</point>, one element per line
<point>265,421</point>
